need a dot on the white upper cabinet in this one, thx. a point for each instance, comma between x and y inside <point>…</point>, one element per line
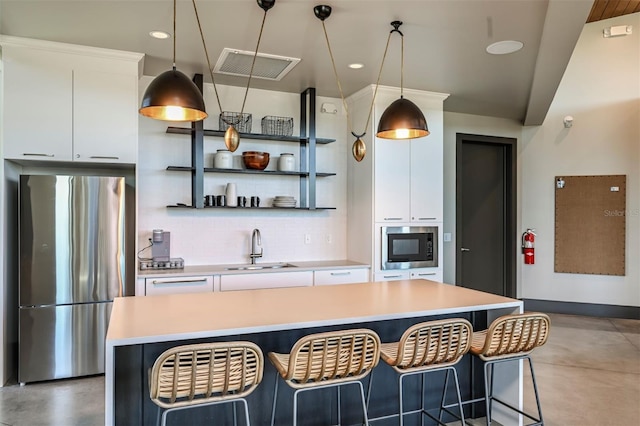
<point>105,117</point>
<point>392,180</point>
<point>427,172</point>
<point>37,107</point>
<point>69,103</point>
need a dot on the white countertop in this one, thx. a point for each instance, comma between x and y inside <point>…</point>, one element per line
<point>150,319</point>
<point>222,269</point>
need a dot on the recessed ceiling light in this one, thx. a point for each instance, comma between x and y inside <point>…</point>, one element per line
<point>356,66</point>
<point>159,34</point>
<point>504,47</point>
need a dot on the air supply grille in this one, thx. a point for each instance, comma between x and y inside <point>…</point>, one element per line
<point>268,67</point>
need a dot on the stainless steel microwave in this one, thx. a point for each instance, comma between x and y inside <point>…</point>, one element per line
<point>406,247</point>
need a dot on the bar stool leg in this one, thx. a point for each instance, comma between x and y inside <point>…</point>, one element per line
<point>444,394</point>
<point>338,411</point>
<point>535,390</point>
<point>246,412</point>
<point>422,400</point>
<point>369,390</point>
<point>235,413</point>
<point>275,400</point>
<point>487,394</point>
<point>455,376</point>
<point>401,412</point>
<point>364,406</point>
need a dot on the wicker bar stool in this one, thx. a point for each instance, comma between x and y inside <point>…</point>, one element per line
<point>510,338</point>
<point>331,359</point>
<point>205,374</point>
<point>424,348</point>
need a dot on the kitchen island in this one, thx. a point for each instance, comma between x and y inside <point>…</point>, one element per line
<point>142,327</point>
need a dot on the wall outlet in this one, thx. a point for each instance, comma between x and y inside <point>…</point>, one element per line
<point>307,238</point>
<point>328,238</point>
<point>447,237</point>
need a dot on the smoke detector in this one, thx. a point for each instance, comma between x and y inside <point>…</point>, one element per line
<point>268,67</point>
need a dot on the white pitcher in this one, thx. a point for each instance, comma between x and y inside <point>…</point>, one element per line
<point>232,199</point>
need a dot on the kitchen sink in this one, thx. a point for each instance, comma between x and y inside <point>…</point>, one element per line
<point>258,267</point>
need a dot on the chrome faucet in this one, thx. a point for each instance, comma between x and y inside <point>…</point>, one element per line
<point>256,241</point>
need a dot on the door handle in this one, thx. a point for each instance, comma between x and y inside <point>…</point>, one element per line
<point>464,249</point>
<point>340,273</point>
<point>36,154</point>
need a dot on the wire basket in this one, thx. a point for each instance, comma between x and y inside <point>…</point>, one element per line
<point>279,126</point>
<point>242,122</point>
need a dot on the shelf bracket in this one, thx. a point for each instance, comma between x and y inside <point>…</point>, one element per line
<point>197,156</point>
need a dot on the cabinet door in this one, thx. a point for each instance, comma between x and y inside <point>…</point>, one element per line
<point>392,180</point>
<point>426,180</point>
<point>255,281</point>
<point>105,117</point>
<point>175,285</point>
<point>37,107</point>
<point>340,276</point>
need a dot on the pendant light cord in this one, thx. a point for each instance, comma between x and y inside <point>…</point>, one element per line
<point>255,55</point>
<point>174,34</point>
<point>375,92</point>
<point>206,53</point>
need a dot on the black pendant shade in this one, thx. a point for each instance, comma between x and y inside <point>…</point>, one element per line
<point>172,96</point>
<point>402,120</point>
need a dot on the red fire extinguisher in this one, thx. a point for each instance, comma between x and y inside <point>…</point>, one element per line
<point>528,240</point>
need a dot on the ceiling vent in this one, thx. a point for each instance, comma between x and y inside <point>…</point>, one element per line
<point>268,67</point>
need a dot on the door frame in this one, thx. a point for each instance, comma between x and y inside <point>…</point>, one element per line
<point>510,173</point>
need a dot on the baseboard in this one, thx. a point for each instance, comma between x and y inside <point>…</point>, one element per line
<point>585,309</point>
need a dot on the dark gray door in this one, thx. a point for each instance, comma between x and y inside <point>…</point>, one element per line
<point>485,214</point>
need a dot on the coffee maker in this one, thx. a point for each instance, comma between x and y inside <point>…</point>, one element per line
<point>161,248</point>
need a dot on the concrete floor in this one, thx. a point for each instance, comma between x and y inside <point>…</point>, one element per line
<point>588,374</point>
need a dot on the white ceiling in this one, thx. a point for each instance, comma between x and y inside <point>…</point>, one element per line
<point>445,42</point>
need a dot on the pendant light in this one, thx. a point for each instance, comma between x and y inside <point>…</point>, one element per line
<point>402,119</point>
<point>172,96</point>
<point>359,148</point>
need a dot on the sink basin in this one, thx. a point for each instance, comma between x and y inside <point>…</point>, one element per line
<point>260,266</point>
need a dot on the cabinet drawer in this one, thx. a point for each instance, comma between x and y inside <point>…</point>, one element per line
<point>393,275</point>
<point>427,274</point>
<point>175,285</point>
<point>340,276</point>
<point>255,281</point>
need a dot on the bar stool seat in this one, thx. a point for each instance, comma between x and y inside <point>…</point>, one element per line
<point>203,374</point>
<point>331,359</point>
<point>425,348</point>
<point>510,338</point>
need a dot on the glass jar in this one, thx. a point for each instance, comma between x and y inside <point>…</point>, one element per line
<point>223,159</point>
<point>286,162</point>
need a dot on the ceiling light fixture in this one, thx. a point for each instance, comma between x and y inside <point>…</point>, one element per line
<point>231,136</point>
<point>356,66</point>
<point>402,119</point>
<point>504,47</point>
<point>172,96</point>
<point>359,148</point>
<point>161,35</point>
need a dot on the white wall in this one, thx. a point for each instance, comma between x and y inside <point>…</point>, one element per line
<point>213,236</point>
<point>601,90</point>
<point>478,125</point>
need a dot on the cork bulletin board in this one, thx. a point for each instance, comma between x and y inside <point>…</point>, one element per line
<point>590,218</point>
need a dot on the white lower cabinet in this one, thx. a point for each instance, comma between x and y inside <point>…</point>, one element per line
<point>253,281</point>
<point>393,275</point>
<point>341,276</point>
<point>427,274</point>
<point>175,285</point>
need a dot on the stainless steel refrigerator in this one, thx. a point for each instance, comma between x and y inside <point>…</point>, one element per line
<point>72,265</point>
